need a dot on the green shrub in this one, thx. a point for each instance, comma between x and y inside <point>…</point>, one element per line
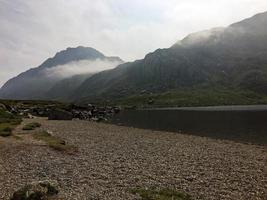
<point>5,132</point>
<point>8,122</point>
<point>54,142</point>
<point>199,96</point>
<point>31,126</point>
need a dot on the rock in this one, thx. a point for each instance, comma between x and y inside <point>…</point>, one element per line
<point>40,113</point>
<point>94,111</point>
<point>86,112</point>
<point>30,116</point>
<point>190,178</point>
<point>96,119</point>
<point>59,114</point>
<point>90,106</point>
<point>37,191</point>
<point>143,92</point>
<point>89,113</point>
<point>62,142</point>
<point>150,101</point>
<point>117,109</point>
<point>14,110</point>
<point>101,112</point>
<point>101,118</point>
<point>2,106</point>
<point>130,107</point>
<point>76,114</point>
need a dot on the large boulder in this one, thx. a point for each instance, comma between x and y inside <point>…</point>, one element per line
<point>58,114</point>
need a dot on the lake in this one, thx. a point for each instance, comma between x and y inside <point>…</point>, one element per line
<point>247,124</point>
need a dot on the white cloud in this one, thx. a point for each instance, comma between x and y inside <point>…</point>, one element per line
<point>33,30</point>
<point>80,67</point>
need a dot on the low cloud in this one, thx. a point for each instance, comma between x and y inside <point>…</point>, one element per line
<point>80,67</point>
<point>202,36</point>
<point>32,30</point>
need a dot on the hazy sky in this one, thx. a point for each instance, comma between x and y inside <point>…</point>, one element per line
<point>33,30</point>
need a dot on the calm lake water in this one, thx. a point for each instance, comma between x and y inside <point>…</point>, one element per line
<point>246,124</point>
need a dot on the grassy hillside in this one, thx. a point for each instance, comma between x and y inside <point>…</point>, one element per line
<point>234,57</point>
<point>33,103</point>
<point>195,97</point>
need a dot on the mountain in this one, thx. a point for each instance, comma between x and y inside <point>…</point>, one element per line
<point>234,57</point>
<point>36,83</point>
<point>64,89</point>
<point>224,65</point>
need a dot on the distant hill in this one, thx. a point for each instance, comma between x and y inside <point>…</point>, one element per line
<point>48,80</point>
<point>234,58</point>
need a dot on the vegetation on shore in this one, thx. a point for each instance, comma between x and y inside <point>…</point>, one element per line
<point>165,194</point>
<point>34,103</point>
<point>31,126</point>
<point>8,122</point>
<point>183,97</point>
<point>36,191</point>
<point>54,142</point>
<point>195,97</point>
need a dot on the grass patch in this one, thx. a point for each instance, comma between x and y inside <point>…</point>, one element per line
<point>195,97</point>
<point>165,194</point>
<point>17,137</point>
<point>31,126</point>
<point>6,117</point>
<point>26,104</point>
<point>54,142</point>
<point>5,132</point>
<point>8,122</point>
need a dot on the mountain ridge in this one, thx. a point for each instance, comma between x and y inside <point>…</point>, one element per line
<point>225,55</point>
<point>35,82</point>
<point>233,58</point>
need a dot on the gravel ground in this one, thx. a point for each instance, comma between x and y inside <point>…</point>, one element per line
<point>112,160</point>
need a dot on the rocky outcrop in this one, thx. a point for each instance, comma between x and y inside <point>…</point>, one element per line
<point>58,114</point>
<point>55,111</point>
<point>94,113</point>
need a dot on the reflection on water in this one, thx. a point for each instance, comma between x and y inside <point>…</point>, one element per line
<point>238,123</point>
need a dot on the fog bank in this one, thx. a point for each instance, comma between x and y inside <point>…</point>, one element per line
<point>80,67</point>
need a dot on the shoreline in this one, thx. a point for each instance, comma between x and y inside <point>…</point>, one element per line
<point>111,160</point>
<point>262,107</point>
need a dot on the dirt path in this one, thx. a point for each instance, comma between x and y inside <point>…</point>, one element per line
<point>112,160</point>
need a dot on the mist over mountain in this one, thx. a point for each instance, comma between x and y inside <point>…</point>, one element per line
<point>231,57</point>
<point>67,64</point>
<point>65,89</point>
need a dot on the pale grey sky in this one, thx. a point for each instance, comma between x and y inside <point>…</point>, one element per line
<point>33,30</point>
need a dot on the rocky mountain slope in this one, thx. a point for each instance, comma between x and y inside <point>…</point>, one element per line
<point>57,77</point>
<point>231,57</point>
<point>64,89</point>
